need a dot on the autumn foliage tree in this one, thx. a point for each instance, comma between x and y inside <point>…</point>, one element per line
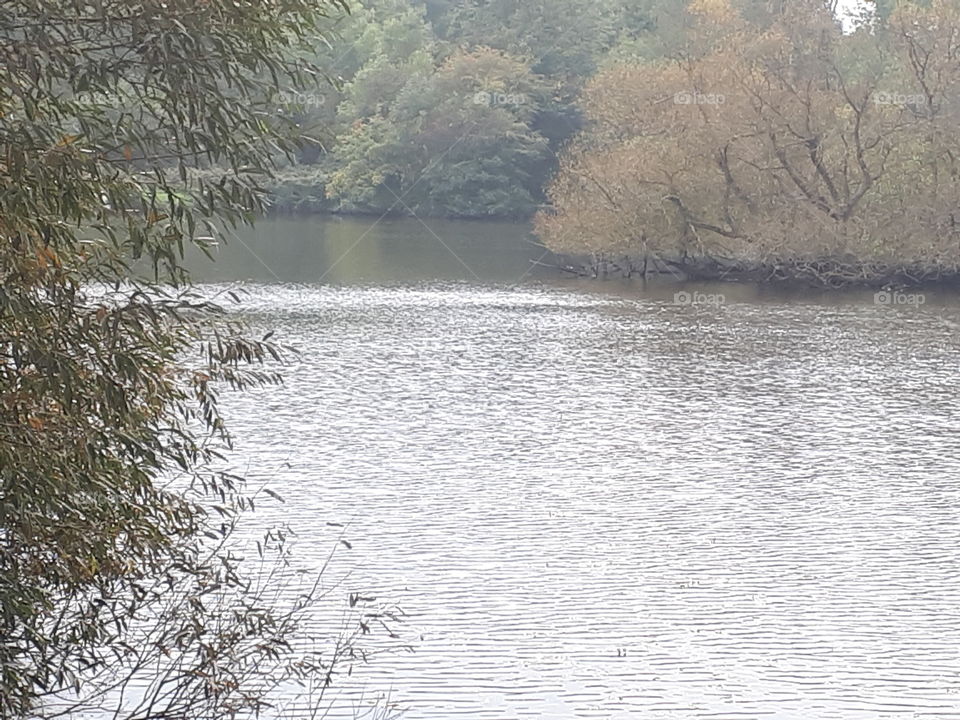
<point>789,149</point>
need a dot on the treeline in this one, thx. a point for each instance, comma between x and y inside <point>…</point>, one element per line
<point>773,144</point>
<point>452,108</point>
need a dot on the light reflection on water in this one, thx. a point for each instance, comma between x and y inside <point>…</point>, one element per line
<point>593,503</point>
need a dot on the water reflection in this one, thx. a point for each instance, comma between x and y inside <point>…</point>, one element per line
<point>344,250</point>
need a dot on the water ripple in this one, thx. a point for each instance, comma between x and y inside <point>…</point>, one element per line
<point>602,507</point>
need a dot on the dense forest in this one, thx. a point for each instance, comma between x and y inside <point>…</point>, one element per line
<point>458,108</point>
<point>700,134</point>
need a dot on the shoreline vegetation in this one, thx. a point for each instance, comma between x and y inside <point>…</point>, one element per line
<point>825,273</point>
<point>449,108</point>
<point>788,152</point>
<point>136,580</point>
<point>752,139</point>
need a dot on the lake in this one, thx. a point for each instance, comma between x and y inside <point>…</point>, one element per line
<point>603,500</point>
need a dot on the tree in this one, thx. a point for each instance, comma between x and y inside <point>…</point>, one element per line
<point>787,148</point>
<point>387,43</point>
<point>378,46</point>
<point>455,141</point>
<point>128,131</point>
<point>563,38</point>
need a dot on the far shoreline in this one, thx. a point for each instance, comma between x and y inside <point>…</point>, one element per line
<point>821,274</point>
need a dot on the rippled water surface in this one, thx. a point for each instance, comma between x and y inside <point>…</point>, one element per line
<point>592,502</point>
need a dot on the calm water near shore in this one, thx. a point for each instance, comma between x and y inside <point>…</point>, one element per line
<point>604,500</point>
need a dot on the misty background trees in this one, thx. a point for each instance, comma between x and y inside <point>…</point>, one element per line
<point>470,101</point>
<point>779,137</point>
